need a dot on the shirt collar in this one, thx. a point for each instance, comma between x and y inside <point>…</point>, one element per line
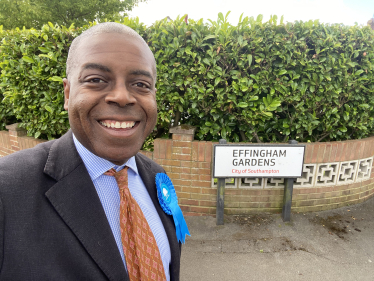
<point>97,166</point>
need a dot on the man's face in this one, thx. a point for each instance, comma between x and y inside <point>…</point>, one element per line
<point>110,96</point>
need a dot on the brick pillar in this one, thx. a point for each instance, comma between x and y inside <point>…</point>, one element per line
<point>183,133</point>
<point>14,132</point>
<point>187,163</point>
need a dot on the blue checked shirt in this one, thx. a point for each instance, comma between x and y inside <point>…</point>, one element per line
<point>107,189</point>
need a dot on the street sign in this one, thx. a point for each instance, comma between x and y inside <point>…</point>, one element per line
<point>258,161</point>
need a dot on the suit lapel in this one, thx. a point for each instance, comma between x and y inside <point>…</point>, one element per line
<point>75,199</point>
<point>148,176</point>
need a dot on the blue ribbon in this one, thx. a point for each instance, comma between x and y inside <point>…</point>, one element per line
<point>169,203</point>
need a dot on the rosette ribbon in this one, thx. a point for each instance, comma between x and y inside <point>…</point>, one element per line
<point>169,203</point>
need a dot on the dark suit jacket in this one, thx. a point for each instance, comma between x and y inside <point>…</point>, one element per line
<point>52,223</point>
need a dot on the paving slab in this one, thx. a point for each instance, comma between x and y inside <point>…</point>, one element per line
<point>330,245</point>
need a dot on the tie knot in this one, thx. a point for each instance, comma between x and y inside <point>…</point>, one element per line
<point>114,173</point>
<point>110,172</point>
<point>120,176</point>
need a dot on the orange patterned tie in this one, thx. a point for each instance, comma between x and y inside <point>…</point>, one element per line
<point>142,255</point>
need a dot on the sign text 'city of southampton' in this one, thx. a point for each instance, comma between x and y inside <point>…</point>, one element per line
<point>258,161</point>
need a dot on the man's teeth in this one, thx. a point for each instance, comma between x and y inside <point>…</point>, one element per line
<point>117,125</point>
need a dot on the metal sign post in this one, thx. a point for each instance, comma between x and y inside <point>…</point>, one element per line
<point>287,199</point>
<point>220,195</point>
<point>287,196</point>
<point>258,161</point>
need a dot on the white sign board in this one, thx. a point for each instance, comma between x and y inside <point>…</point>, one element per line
<point>258,161</point>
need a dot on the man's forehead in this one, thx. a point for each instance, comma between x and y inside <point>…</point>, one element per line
<point>110,39</point>
<point>92,42</point>
<point>105,38</point>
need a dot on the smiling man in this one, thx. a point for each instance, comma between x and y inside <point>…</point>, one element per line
<point>85,206</point>
<point>110,93</point>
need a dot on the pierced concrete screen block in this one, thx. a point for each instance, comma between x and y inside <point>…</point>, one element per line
<point>364,169</point>
<point>307,177</point>
<point>257,183</point>
<point>230,182</point>
<point>347,172</point>
<point>327,174</point>
<point>274,183</point>
<point>214,182</point>
<point>313,175</point>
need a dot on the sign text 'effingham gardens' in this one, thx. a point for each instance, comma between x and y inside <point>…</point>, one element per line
<point>281,161</point>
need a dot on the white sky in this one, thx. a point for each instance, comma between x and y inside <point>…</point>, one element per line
<point>327,11</point>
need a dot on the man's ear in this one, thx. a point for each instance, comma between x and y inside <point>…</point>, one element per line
<point>66,92</point>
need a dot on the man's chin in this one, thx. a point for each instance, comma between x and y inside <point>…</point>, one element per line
<point>118,156</point>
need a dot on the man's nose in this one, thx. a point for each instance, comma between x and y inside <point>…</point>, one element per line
<point>120,95</point>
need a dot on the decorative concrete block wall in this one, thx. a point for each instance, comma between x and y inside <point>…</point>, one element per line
<point>335,174</point>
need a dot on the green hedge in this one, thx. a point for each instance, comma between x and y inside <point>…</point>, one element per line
<point>33,62</point>
<point>251,82</point>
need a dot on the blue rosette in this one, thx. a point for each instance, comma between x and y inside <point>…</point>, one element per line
<point>169,203</point>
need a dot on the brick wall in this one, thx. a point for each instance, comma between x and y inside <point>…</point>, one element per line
<point>5,143</point>
<point>189,165</point>
<point>15,139</point>
<point>318,198</point>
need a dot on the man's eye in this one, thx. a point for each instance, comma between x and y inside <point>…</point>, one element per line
<point>95,80</point>
<point>141,85</point>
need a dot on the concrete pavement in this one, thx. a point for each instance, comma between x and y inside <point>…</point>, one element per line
<point>329,245</point>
